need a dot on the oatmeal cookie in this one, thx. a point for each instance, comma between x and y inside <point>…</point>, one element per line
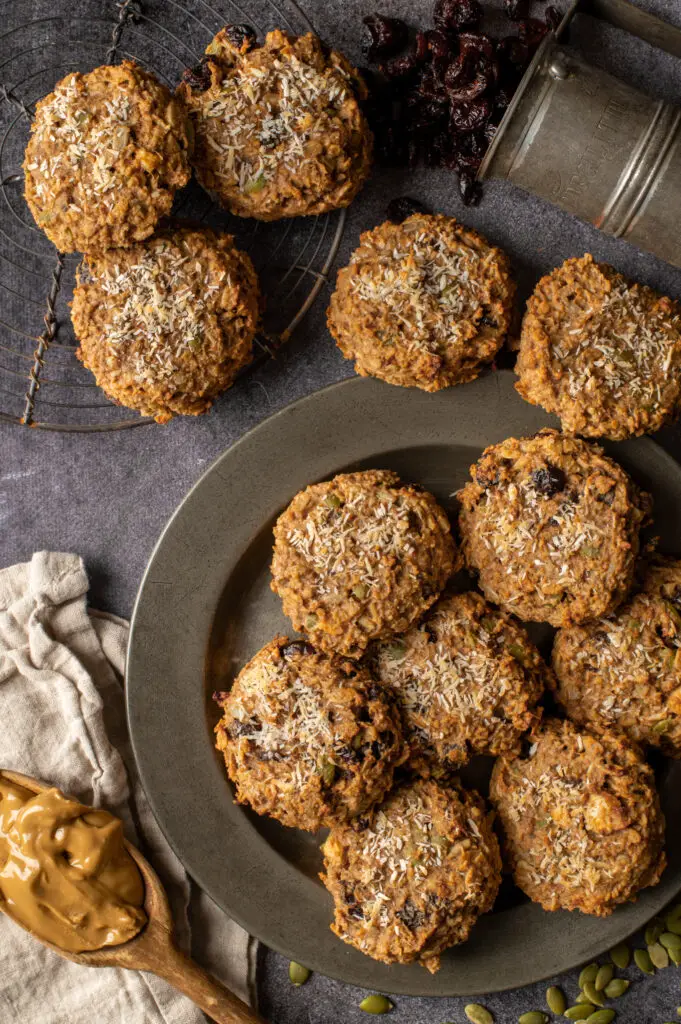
<point>107,152</point>
<point>552,527</point>
<point>360,558</point>
<point>582,820</point>
<point>308,739</point>
<point>467,680</point>
<point>425,303</point>
<point>166,325</point>
<point>412,877</point>
<point>623,673</point>
<point>600,352</point>
<point>279,129</point>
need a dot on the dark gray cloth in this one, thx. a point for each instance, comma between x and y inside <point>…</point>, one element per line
<point>108,496</point>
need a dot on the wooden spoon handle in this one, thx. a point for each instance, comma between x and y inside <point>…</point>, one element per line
<point>202,988</point>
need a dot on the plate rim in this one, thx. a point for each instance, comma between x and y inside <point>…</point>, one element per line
<point>457,987</point>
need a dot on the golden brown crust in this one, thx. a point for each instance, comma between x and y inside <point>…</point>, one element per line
<point>107,152</point>
<point>467,679</point>
<point>552,527</point>
<point>581,818</point>
<point>307,739</point>
<point>279,130</point>
<point>412,878</point>
<point>166,325</point>
<point>425,303</point>
<point>359,558</point>
<point>623,673</point>
<point>600,352</point>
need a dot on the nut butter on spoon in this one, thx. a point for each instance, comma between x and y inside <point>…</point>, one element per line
<point>69,877</point>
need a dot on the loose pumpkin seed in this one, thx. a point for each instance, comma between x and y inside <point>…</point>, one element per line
<point>643,961</point>
<point>604,977</point>
<point>592,993</point>
<point>659,955</point>
<point>670,941</point>
<point>621,955</point>
<point>582,1011</point>
<point>653,931</point>
<point>555,1000</point>
<point>376,1004</point>
<point>298,974</point>
<point>601,1017</point>
<point>478,1014</point>
<point>533,1017</point>
<point>674,925</point>
<point>675,956</point>
<point>588,974</point>
<point>616,988</point>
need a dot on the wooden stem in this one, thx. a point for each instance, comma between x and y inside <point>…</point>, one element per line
<point>202,988</point>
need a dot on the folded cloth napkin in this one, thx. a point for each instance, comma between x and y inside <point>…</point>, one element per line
<point>63,721</point>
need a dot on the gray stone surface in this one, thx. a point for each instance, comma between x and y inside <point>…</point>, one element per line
<point>108,496</point>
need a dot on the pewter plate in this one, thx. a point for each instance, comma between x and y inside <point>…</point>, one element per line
<point>205,607</point>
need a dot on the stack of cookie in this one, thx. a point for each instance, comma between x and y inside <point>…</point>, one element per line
<point>166,314</point>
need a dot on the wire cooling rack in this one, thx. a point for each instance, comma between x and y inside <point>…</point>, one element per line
<point>42,384</point>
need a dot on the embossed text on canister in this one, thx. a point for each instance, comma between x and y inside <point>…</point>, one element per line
<point>65,873</point>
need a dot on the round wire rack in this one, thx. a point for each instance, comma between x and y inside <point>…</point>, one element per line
<point>42,383</point>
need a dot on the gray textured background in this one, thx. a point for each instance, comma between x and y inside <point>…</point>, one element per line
<point>108,496</point>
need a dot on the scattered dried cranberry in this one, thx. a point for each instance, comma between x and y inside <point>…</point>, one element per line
<point>401,67</point>
<point>453,15</point>
<point>470,190</point>
<point>198,78</point>
<point>517,10</point>
<point>433,84</point>
<point>553,18</point>
<point>549,480</point>
<point>470,116</point>
<point>421,46</point>
<point>475,44</point>
<point>465,93</point>
<point>386,36</point>
<point>241,37</point>
<point>439,44</point>
<point>531,31</point>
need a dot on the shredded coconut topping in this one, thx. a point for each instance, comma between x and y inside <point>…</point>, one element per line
<point>90,148</point>
<point>516,521</point>
<point>285,106</point>
<point>164,302</point>
<point>429,287</point>
<point>353,538</point>
<point>623,347</point>
<point>457,677</point>
<point>403,846</point>
<point>284,717</point>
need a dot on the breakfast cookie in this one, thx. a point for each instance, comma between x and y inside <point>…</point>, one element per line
<point>308,739</point>
<point>581,817</point>
<point>600,352</point>
<point>412,877</point>
<point>425,303</point>
<point>166,325</point>
<point>360,558</point>
<point>467,679</point>
<point>623,673</point>
<point>552,527</point>
<point>107,152</point>
<point>279,129</point>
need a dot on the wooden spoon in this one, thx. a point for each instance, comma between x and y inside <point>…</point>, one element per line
<point>154,948</point>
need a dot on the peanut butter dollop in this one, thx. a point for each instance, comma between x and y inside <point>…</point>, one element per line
<point>65,873</point>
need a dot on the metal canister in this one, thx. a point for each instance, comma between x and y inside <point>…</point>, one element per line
<point>592,144</point>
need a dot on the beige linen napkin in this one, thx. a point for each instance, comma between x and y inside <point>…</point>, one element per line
<point>62,720</point>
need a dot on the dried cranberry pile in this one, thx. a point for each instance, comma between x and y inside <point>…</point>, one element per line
<point>439,98</point>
